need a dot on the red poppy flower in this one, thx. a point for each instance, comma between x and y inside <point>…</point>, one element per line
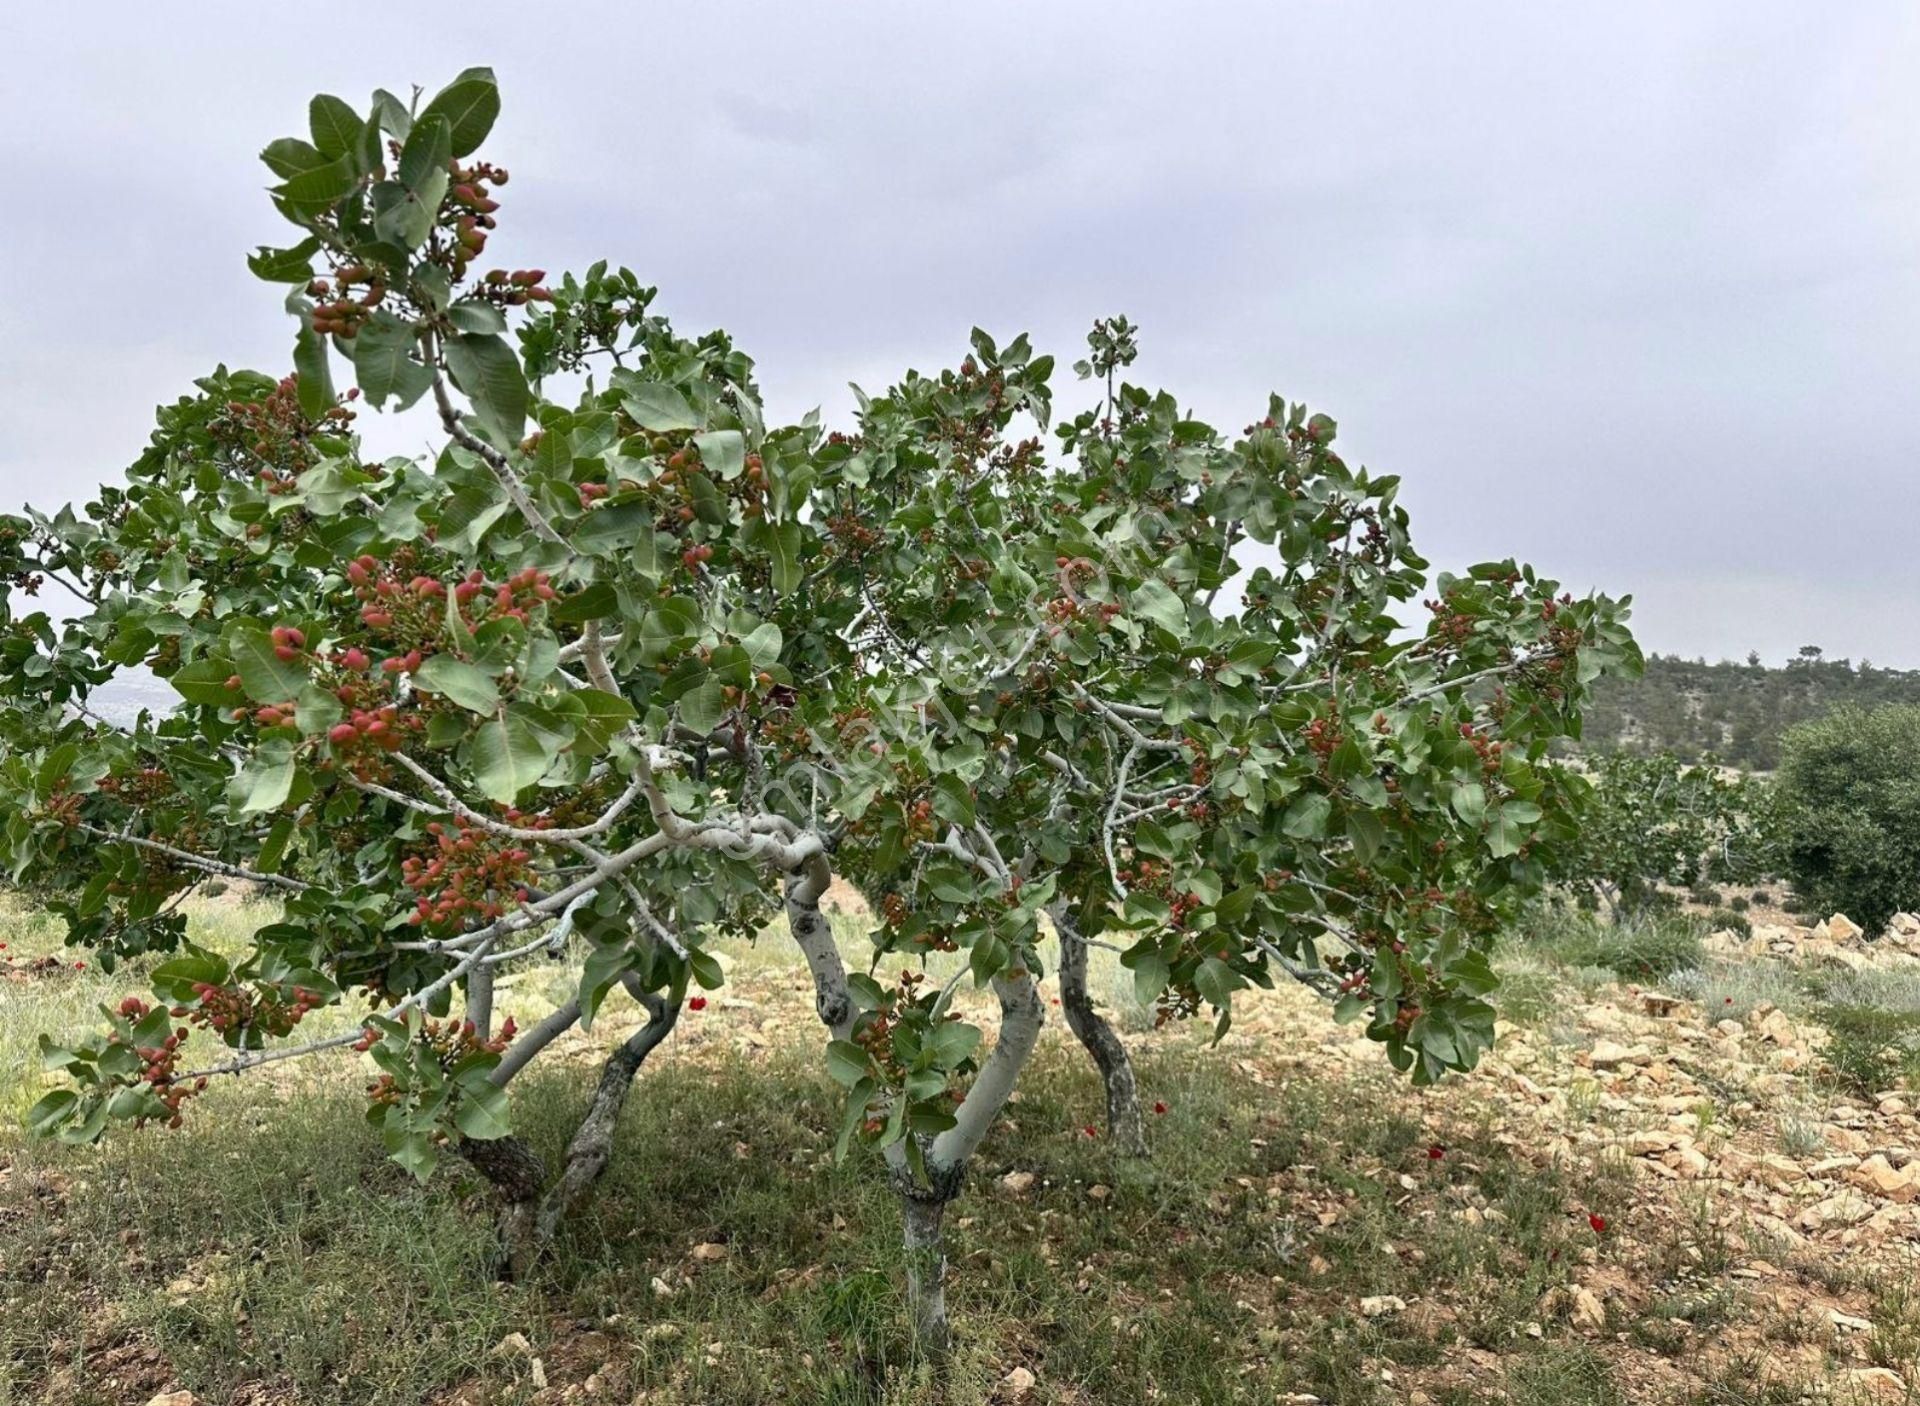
<point>1436,1152</point>
<point>1598,1222</point>
<point>698,1003</point>
<point>1091,1131</point>
<point>1159,1108</point>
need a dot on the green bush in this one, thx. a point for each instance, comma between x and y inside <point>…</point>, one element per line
<point>1641,948</point>
<point>1732,919</point>
<point>1850,786</point>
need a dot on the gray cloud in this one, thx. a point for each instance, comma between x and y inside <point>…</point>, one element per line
<point>1631,291</point>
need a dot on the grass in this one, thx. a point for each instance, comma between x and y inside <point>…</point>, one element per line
<point>1647,948</point>
<point>268,1251</point>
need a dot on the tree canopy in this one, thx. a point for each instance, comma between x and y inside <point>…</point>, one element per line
<point>634,668</point>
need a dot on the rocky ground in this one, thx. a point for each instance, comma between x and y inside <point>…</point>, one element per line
<point>1760,1247</point>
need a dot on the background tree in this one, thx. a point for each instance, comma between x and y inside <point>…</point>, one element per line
<point>623,674</point>
<point>1654,821</point>
<point>1850,784</point>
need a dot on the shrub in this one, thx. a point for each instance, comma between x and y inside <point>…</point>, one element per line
<point>1731,919</point>
<point>1851,786</point>
<point>1641,948</point>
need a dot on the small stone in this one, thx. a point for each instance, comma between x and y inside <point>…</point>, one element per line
<point>710,1252</point>
<point>1849,1322</point>
<point>1587,1312</point>
<point>1877,1384</point>
<point>1098,1192</point>
<point>1841,928</point>
<point>1017,1183</point>
<point>513,1345</point>
<point>174,1398</point>
<point>1608,1054</point>
<point>1378,1305</point>
<point>539,1373</point>
<point>1019,1382</point>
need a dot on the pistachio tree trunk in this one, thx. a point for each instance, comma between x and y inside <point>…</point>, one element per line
<point>1126,1128</point>
<point>533,1204</point>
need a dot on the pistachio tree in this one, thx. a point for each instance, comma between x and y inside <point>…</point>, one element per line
<point>625,669</point>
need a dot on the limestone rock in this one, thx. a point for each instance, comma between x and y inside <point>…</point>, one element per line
<point>1379,1305</point>
<point>1608,1054</point>
<point>1876,1384</point>
<point>1017,1183</point>
<point>1844,1207</point>
<point>1588,1312</point>
<point>1841,928</point>
<point>1882,1178</point>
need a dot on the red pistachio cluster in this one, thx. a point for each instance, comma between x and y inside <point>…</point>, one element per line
<point>407,605</point>
<point>226,1010</point>
<point>339,313</point>
<point>470,874</point>
<point>274,431</point>
<point>158,1071</point>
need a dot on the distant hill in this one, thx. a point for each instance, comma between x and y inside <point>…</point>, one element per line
<point>1734,712</point>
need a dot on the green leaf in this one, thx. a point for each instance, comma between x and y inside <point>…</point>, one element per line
<point>1508,829</point>
<point>385,363</point>
<point>787,537</point>
<point>612,526</point>
<point>1157,603</point>
<point>952,1041</point>
<point>335,125</point>
<point>391,114</point>
<point>321,186</point>
<point>1469,801</point>
<point>413,1150</point>
<point>723,452</point>
<point>603,716</point>
<point>404,214</point>
<point>47,1116</point>
<point>205,681</point>
<point>595,602</point>
<point>174,980</point>
<point>287,157</point>
<point>953,800</point>
<point>266,677</point>
<point>458,680</point>
<point>702,709</point>
<point>316,378</point>
<point>266,782</point>
<point>293,265</point>
<point>426,153</point>
<point>1150,977</point>
<point>846,1063</point>
<point>480,1111</point>
<point>1307,817</point>
<point>487,371</point>
<point>471,315</point>
<point>508,754</point>
<point>658,407</point>
<point>469,104</point>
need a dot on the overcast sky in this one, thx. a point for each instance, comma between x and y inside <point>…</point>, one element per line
<point>1631,291</point>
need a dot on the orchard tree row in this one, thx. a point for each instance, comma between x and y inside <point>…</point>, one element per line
<point>626,673</point>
